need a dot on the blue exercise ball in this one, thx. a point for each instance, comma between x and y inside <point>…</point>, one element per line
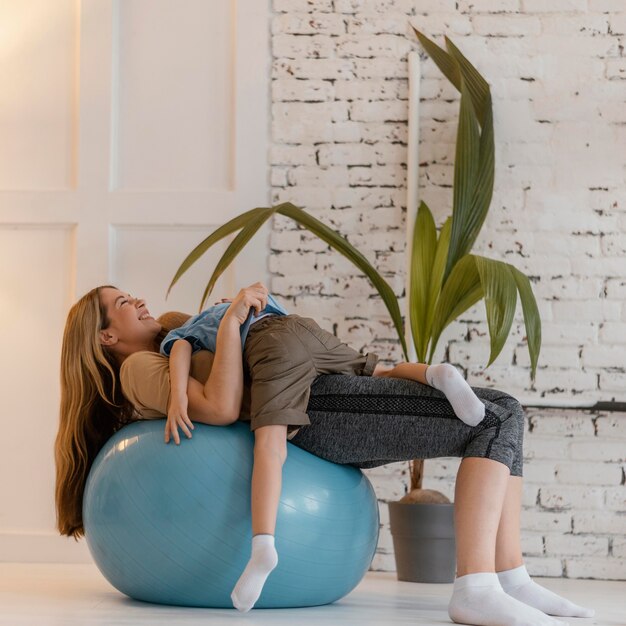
<point>171,524</point>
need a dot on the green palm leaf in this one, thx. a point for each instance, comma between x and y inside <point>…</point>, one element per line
<point>500,291</point>
<point>532,320</point>
<point>423,257</point>
<point>247,232</point>
<point>219,233</point>
<point>461,291</point>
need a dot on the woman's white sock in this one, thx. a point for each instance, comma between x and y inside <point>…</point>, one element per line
<point>250,584</point>
<point>464,401</point>
<point>479,599</point>
<point>517,583</point>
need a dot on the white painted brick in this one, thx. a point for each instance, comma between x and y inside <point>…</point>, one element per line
<point>612,381</point>
<point>278,177</point>
<point>554,422</point>
<point>568,333</point>
<point>614,244</point>
<point>619,547</point>
<point>379,131</point>
<point>377,68</point>
<point>374,24</point>
<point>313,68</point>
<point>612,6</point>
<point>576,545</point>
<point>616,68</point>
<point>567,243</point>
<point>575,24</point>
<point>611,425</point>
<point>438,24</point>
<point>586,311</point>
<point>314,176</point>
<point>538,471</point>
<point>383,176</point>
<point>291,155</point>
<point>286,6</point>
<point>295,122</point>
<point>616,498</point>
<point>545,520</point>
<point>296,46</point>
<point>531,543</point>
<point>489,6</point>
<point>588,473</point>
<point>379,111</point>
<point>303,197</point>
<point>618,24</point>
<point>530,493</point>
<point>555,6</point>
<point>509,25</point>
<point>596,567</point>
<point>604,356</point>
<point>549,378</point>
<point>609,451</point>
<point>309,24</point>
<point>374,89</point>
<point>544,566</point>
<point>569,235</point>
<point>574,497</point>
<point>546,448</point>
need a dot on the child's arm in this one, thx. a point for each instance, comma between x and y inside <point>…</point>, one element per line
<point>180,363</point>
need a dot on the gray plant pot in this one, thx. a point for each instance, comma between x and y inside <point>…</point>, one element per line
<point>423,541</point>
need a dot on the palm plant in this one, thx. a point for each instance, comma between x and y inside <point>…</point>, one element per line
<point>445,278</point>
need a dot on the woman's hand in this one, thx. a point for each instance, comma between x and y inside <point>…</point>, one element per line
<point>177,416</point>
<point>253,296</point>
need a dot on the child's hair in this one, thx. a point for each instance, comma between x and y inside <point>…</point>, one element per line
<point>93,406</point>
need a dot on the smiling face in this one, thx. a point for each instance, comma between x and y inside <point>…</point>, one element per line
<point>131,327</point>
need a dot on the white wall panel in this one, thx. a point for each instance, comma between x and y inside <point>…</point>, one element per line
<point>38,55</point>
<point>130,131</point>
<point>34,289</point>
<point>145,259</point>
<point>173,127</point>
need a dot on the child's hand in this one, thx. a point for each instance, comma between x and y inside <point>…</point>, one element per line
<point>225,300</point>
<point>177,416</point>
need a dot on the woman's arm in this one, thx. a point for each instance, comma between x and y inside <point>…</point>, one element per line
<point>224,386</point>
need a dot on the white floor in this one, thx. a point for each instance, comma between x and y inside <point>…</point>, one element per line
<point>78,595</point>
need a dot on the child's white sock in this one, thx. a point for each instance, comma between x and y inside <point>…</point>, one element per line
<point>464,401</point>
<point>250,584</point>
<point>479,599</point>
<point>517,583</point>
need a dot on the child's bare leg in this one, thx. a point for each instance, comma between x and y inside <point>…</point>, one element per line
<point>270,452</point>
<point>445,377</point>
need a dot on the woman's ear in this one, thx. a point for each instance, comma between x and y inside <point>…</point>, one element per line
<point>106,338</point>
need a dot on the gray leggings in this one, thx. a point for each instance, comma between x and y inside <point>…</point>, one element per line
<point>367,421</point>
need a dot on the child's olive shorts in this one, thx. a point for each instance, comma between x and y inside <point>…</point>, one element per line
<point>283,355</point>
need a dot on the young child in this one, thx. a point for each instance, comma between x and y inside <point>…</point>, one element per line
<point>201,332</point>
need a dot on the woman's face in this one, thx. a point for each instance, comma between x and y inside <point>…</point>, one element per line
<point>131,326</point>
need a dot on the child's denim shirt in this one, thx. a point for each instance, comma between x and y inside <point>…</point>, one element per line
<point>201,330</point>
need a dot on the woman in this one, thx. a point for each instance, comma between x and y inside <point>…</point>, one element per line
<point>405,420</point>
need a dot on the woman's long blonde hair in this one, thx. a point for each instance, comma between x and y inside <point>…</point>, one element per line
<point>93,406</point>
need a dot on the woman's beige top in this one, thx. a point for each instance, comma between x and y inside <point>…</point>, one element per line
<point>145,380</point>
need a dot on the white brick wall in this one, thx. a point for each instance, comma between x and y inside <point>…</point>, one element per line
<point>573,504</point>
<point>558,76</point>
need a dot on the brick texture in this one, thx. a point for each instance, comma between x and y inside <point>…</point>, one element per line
<point>339,149</point>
